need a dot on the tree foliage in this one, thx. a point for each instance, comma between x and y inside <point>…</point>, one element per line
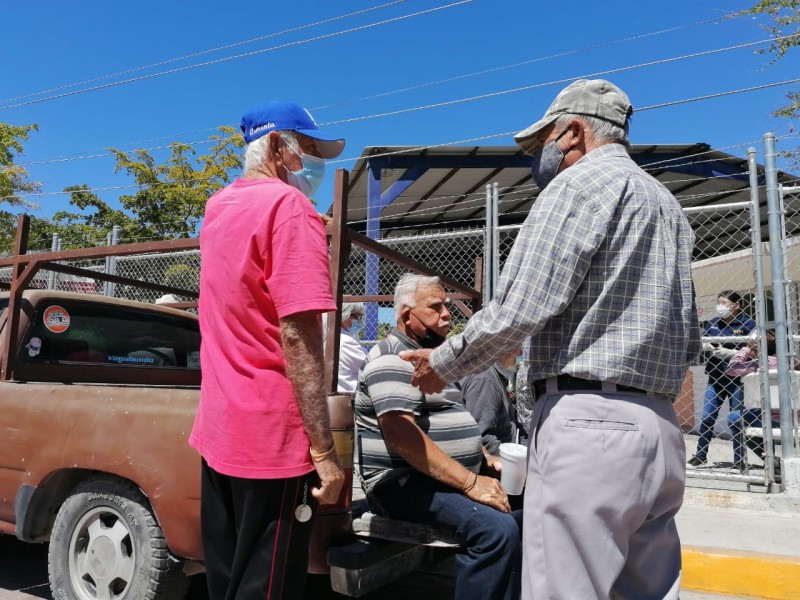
<point>784,29</point>
<point>14,178</point>
<point>173,195</point>
<point>170,203</point>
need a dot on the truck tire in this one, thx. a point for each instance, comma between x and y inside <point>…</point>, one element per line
<point>107,545</point>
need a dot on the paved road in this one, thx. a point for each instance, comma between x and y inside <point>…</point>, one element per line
<point>23,576</point>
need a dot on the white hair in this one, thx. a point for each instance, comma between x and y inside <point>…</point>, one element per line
<point>256,151</point>
<point>603,131</point>
<point>348,308</point>
<point>405,293</point>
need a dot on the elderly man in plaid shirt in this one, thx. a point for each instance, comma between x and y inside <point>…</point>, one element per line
<point>599,280</point>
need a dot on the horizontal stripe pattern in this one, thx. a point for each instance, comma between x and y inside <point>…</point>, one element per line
<point>384,385</point>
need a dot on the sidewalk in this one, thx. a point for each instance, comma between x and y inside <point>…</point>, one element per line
<point>741,543</point>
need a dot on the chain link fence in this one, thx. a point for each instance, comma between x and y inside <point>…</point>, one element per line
<point>453,254</point>
<point>724,264</point>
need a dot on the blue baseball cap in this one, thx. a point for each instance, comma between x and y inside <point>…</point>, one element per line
<point>278,115</point>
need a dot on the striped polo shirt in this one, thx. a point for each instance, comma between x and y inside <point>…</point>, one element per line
<point>384,385</point>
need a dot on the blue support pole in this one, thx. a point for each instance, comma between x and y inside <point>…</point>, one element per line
<point>372,274</point>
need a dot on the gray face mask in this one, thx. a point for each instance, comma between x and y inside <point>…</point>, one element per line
<point>546,162</point>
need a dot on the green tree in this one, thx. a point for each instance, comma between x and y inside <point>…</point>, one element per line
<point>14,178</point>
<point>784,28</point>
<point>169,205</point>
<point>174,194</point>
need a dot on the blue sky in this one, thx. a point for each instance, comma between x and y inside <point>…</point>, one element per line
<point>47,45</point>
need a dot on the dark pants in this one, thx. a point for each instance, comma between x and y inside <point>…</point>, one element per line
<point>719,388</point>
<point>254,547</point>
<point>491,564</point>
<point>738,421</point>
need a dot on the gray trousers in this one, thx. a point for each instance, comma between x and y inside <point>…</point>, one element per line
<point>605,479</point>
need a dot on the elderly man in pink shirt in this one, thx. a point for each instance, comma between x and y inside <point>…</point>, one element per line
<point>262,426</point>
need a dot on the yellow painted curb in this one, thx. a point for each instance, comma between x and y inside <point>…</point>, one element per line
<point>771,576</point>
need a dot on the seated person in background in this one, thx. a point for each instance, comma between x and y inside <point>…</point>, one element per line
<point>351,352</point>
<point>486,396</point>
<point>420,455</point>
<point>744,362</point>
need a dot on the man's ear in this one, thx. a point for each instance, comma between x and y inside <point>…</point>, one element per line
<point>405,315</point>
<point>274,143</point>
<point>576,134</point>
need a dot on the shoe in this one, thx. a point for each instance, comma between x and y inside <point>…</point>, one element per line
<point>695,461</point>
<point>740,466</point>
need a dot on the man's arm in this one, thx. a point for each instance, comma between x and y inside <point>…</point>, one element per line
<point>300,337</point>
<point>404,437</point>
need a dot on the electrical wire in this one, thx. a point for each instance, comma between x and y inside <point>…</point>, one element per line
<point>540,59</point>
<point>203,52</point>
<point>555,82</point>
<point>524,63</point>
<point>228,58</point>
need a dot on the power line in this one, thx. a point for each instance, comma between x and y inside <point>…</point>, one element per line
<point>228,58</point>
<point>60,159</point>
<point>554,82</point>
<point>526,62</point>
<point>202,52</point>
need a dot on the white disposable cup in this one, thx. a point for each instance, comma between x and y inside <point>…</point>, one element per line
<point>514,459</point>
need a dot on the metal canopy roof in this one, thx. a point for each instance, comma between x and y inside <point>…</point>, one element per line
<point>416,189</point>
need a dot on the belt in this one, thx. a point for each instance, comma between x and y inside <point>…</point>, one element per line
<point>568,383</point>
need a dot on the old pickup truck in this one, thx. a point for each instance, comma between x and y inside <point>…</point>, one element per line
<point>94,460</point>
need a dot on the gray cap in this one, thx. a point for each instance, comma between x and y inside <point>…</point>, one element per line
<point>585,97</point>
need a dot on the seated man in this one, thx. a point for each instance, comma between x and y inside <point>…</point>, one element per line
<point>421,457</point>
<point>486,396</point>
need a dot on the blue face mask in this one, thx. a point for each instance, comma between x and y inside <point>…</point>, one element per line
<point>356,327</point>
<point>308,178</point>
<point>546,162</point>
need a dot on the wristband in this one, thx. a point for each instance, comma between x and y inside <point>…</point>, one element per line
<point>318,456</point>
<point>467,485</point>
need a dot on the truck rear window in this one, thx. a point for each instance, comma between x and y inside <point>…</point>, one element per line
<point>75,332</point>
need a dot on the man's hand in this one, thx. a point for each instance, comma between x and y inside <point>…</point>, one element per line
<point>494,465</point>
<point>425,378</point>
<point>331,479</point>
<point>488,491</point>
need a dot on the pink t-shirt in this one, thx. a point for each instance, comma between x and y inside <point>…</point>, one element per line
<point>264,256</point>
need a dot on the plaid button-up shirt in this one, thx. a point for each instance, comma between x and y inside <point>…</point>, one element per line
<point>599,280</point>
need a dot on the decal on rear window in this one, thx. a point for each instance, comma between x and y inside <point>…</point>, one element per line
<point>56,319</point>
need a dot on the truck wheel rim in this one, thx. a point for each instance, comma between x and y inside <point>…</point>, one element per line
<point>102,556</point>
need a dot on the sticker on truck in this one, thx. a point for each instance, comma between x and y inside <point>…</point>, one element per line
<point>56,319</point>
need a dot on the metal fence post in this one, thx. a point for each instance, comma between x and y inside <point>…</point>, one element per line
<point>788,449</point>
<point>761,303</point>
<point>112,239</point>
<point>52,279</point>
<point>495,238</point>
<point>488,249</point>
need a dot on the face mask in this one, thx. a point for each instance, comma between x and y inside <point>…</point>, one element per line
<point>308,178</point>
<point>431,339</point>
<point>546,162</point>
<point>723,312</point>
<point>356,327</point>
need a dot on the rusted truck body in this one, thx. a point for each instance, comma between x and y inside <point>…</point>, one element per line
<point>94,456</point>
<point>93,452</point>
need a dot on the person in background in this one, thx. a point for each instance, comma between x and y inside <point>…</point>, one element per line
<point>351,352</point>
<point>599,280</point>
<point>744,362</point>
<point>486,396</point>
<point>420,455</point>
<point>730,321</point>
<point>262,426</point>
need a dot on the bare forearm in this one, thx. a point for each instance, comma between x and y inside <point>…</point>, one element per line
<point>301,338</point>
<point>405,438</point>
